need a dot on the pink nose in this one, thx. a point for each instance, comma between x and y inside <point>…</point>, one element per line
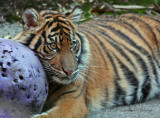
<point>68,72</point>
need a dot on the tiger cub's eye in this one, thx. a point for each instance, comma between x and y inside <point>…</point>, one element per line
<point>52,46</point>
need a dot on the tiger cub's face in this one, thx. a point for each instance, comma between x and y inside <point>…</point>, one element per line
<point>53,37</point>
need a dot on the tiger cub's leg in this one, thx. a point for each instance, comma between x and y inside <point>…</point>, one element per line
<point>66,108</point>
<point>70,103</point>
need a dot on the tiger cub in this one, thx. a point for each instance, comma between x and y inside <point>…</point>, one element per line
<point>108,61</point>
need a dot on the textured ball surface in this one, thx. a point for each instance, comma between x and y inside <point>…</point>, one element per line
<point>10,110</point>
<point>22,78</point>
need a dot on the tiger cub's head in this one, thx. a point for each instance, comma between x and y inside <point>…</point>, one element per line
<point>54,37</point>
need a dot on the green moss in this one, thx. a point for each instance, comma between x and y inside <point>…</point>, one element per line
<point>12,18</point>
<point>138,2</point>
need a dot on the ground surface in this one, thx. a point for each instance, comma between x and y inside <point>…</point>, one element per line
<point>150,109</point>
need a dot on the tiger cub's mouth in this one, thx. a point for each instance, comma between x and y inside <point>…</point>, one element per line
<point>62,78</point>
<point>59,75</point>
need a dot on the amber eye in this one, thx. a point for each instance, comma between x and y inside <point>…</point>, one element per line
<point>52,46</point>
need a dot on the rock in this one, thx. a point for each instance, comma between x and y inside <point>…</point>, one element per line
<point>22,78</point>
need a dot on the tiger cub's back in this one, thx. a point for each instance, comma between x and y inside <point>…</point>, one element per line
<point>126,48</point>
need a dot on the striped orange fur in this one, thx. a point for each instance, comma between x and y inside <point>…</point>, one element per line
<point>108,61</point>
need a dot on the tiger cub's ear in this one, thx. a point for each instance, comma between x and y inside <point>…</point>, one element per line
<point>75,15</point>
<point>30,17</point>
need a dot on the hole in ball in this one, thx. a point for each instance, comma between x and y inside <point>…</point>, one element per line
<point>14,59</point>
<point>21,77</point>
<point>28,96</point>
<point>8,63</point>
<point>4,75</point>
<point>35,87</point>
<point>23,88</point>
<point>38,71</point>
<point>12,98</point>
<point>4,69</point>
<point>15,80</point>
<point>1,63</point>
<point>4,51</point>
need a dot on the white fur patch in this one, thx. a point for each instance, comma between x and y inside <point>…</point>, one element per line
<point>76,15</point>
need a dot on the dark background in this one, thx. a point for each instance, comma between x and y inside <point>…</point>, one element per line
<point>11,10</point>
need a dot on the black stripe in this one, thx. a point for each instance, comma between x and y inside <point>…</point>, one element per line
<point>45,41</point>
<point>124,37</point>
<point>137,33</point>
<point>155,73</point>
<point>48,13</point>
<point>115,45</point>
<point>157,19</point>
<point>50,24</point>
<point>59,27</point>
<point>142,63</point>
<point>45,25</point>
<point>145,71</point>
<point>39,42</point>
<point>48,17</point>
<point>86,96</point>
<point>146,85</point>
<point>131,78</point>
<point>81,91</point>
<point>61,21</point>
<point>135,18</point>
<point>55,28</point>
<point>68,92</point>
<point>141,37</point>
<point>30,39</point>
<point>45,50</point>
<point>44,36</point>
<point>83,49</point>
<point>56,19</point>
<point>104,103</point>
<point>134,44</point>
<point>118,89</point>
<point>119,94</point>
<point>107,53</point>
<point>146,90</point>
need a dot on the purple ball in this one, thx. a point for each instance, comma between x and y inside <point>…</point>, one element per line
<point>22,78</point>
<point>10,110</point>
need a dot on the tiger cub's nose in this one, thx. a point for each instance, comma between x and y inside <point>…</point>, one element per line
<point>68,72</point>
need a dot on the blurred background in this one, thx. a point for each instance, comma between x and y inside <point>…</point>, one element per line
<point>11,10</point>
